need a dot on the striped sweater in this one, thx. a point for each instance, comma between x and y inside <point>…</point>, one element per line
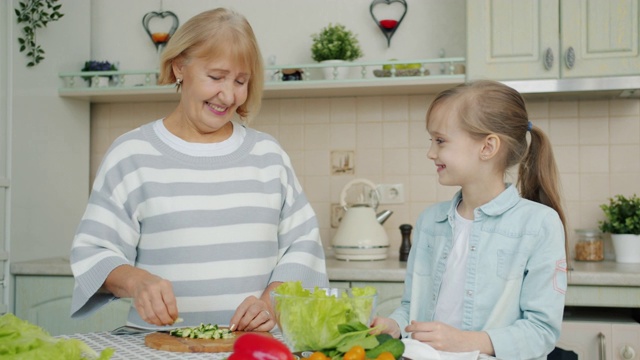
<point>220,228</point>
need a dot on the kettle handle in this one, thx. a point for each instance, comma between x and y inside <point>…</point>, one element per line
<point>343,194</point>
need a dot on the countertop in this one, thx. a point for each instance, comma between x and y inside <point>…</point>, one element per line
<point>603,273</point>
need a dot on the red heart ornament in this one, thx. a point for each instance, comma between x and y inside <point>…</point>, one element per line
<point>160,38</point>
<point>388,26</point>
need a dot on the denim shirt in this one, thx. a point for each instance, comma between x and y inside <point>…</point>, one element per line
<point>516,275</point>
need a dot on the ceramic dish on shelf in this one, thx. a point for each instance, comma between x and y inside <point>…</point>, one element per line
<point>399,72</point>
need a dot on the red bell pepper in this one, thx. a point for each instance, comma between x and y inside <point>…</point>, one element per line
<point>253,346</point>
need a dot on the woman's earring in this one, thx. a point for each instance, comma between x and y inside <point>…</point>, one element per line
<point>178,82</point>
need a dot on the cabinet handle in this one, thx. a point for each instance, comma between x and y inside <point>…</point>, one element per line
<point>627,352</point>
<point>570,57</point>
<point>603,340</point>
<point>548,59</point>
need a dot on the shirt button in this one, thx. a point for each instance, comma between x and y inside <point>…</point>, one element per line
<point>473,248</point>
<point>469,293</point>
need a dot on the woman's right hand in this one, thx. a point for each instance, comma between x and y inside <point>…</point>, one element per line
<point>152,295</point>
<point>387,326</point>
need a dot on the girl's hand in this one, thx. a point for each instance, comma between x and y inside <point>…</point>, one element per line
<point>253,314</point>
<point>387,326</point>
<point>443,337</point>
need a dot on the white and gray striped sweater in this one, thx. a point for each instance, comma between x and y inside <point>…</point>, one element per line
<point>219,228</point>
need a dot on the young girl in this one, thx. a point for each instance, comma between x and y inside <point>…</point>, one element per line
<point>487,270</point>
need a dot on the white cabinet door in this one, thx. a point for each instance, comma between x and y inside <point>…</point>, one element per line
<point>509,39</point>
<point>603,36</point>
<point>389,295</point>
<point>602,339</point>
<point>625,341</point>
<point>552,39</point>
<point>46,302</point>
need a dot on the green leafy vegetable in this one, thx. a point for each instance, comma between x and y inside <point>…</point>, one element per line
<point>21,340</point>
<point>310,320</point>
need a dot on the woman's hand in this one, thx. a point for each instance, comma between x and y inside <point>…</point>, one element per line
<point>443,337</point>
<point>253,314</point>
<point>387,326</point>
<point>152,295</point>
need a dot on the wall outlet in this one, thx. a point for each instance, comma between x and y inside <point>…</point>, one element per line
<point>337,212</point>
<point>391,193</point>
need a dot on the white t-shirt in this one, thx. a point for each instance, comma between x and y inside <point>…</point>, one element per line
<point>451,297</point>
<point>225,147</point>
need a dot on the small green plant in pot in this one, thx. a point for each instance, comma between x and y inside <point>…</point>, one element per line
<point>622,221</point>
<point>335,43</point>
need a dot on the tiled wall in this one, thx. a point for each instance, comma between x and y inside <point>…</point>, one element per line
<point>596,143</point>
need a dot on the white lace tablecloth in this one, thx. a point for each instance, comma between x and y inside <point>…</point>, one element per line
<point>128,347</point>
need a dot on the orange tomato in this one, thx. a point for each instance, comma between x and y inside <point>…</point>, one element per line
<point>386,356</point>
<point>355,353</point>
<point>318,356</point>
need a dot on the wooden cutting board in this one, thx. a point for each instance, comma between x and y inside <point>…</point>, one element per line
<point>166,342</point>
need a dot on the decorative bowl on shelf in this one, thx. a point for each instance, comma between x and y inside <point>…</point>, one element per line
<point>399,72</point>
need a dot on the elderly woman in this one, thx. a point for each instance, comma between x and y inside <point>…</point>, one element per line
<point>195,215</point>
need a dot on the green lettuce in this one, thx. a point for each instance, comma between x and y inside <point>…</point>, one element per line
<point>309,320</point>
<point>21,340</point>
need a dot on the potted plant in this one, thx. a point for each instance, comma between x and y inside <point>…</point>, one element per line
<point>622,221</point>
<point>335,44</point>
<point>97,80</point>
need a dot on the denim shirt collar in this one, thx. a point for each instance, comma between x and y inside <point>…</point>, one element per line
<point>500,204</point>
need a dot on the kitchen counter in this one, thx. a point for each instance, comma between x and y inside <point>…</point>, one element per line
<point>604,273</point>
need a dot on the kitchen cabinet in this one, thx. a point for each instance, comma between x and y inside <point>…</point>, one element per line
<point>46,301</point>
<point>598,335</point>
<point>552,39</point>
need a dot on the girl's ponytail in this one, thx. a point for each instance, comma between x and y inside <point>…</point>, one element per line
<point>538,174</point>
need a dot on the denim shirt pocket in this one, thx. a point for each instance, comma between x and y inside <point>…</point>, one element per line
<point>511,264</point>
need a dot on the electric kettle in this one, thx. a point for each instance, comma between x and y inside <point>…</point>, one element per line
<point>360,235</point>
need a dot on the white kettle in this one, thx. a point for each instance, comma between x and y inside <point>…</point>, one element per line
<point>360,235</point>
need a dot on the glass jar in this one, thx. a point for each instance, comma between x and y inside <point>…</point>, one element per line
<point>589,246</point>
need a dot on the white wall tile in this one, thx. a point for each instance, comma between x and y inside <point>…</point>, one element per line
<point>291,111</point>
<point>594,159</point>
<point>395,135</point>
<point>369,109</point>
<point>593,131</point>
<point>316,137</point>
<point>343,110</point>
<point>395,108</point>
<point>624,107</point>
<point>369,136</point>
<point>563,131</point>
<point>317,111</point>
<point>593,108</point>
<point>342,136</point>
<point>563,109</point>
<point>567,158</point>
<point>624,130</point>
<point>621,159</point>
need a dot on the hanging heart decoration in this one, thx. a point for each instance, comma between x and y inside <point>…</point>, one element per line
<point>160,38</point>
<point>388,25</point>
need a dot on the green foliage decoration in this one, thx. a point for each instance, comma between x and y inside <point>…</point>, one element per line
<point>622,215</point>
<point>35,14</point>
<point>335,42</point>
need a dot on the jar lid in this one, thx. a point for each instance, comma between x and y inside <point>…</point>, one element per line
<point>588,231</point>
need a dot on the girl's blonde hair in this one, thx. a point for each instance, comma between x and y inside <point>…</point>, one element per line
<point>489,107</point>
<point>211,35</point>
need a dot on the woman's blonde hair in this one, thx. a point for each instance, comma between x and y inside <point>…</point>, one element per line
<point>489,107</point>
<point>213,34</point>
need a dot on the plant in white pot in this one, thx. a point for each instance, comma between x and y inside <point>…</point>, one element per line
<point>335,44</point>
<point>622,221</point>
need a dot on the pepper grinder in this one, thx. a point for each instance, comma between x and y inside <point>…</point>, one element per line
<point>405,230</point>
